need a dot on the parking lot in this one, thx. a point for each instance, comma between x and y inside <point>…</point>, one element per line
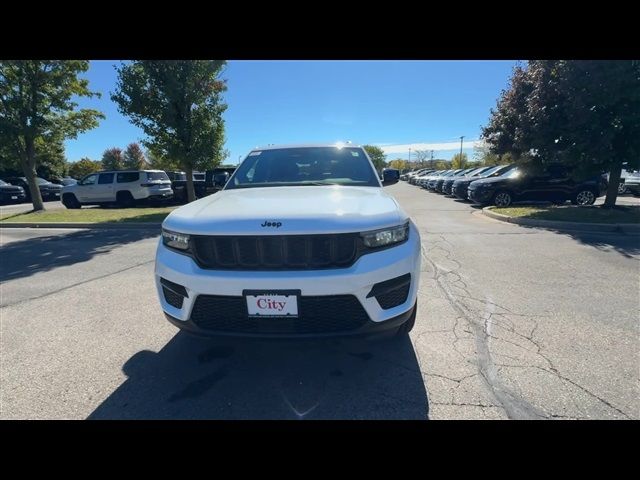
<point>513,322</point>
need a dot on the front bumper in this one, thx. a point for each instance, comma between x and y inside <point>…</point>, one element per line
<point>479,196</point>
<point>9,196</point>
<point>356,280</point>
<point>460,190</point>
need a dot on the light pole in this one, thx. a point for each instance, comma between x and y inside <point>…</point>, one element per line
<point>409,155</point>
<point>461,161</point>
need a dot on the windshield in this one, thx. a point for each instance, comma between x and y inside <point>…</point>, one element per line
<point>42,181</point>
<point>513,173</point>
<point>2,182</point>
<point>305,166</point>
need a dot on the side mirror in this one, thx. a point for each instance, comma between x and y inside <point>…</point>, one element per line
<point>389,177</point>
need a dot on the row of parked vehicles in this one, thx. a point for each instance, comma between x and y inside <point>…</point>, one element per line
<point>503,185</point>
<point>122,187</point>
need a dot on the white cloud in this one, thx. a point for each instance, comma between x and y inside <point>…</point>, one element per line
<point>444,146</point>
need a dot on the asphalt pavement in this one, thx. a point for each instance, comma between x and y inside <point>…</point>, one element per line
<point>513,322</point>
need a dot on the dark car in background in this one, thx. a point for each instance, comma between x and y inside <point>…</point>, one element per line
<point>179,185</point>
<point>49,191</point>
<point>553,184</point>
<point>461,185</point>
<point>447,183</point>
<point>11,193</point>
<point>436,185</point>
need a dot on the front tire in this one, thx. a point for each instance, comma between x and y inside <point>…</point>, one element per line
<point>622,189</point>
<point>584,197</point>
<point>70,201</point>
<point>407,326</point>
<point>502,199</point>
<point>125,199</point>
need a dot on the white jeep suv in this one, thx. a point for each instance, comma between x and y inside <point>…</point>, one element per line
<point>124,187</point>
<point>302,241</point>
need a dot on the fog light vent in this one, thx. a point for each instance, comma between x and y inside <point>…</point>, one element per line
<point>391,293</point>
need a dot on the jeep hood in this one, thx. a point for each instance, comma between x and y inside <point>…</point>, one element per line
<point>298,210</point>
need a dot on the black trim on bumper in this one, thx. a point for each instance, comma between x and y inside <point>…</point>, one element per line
<point>370,328</point>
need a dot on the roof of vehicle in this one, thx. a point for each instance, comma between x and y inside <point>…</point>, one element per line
<point>306,145</point>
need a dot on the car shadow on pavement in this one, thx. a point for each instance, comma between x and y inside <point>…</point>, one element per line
<point>199,378</point>
<point>23,258</point>
<point>627,245</point>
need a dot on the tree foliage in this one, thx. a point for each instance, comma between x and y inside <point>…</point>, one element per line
<point>84,167</point>
<point>377,155</point>
<point>583,113</point>
<point>459,161</point>
<point>113,159</point>
<point>399,164</point>
<point>178,104</point>
<point>38,111</point>
<point>133,158</point>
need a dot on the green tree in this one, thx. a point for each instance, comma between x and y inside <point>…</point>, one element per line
<point>133,158</point>
<point>37,108</point>
<point>586,114</point>
<point>583,113</point>
<point>459,161</point>
<point>160,162</point>
<point>113,159</point>
<point>178,104</point>
<point>377,156</point>
<point>483,155</point>
<point>399,164</point>
<point>84,167</point>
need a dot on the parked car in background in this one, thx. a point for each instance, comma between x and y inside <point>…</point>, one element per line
<point>555,184</point>
<point>11,193</point>
<point>424,181</point>
<point>460,185</point>
<point>447,186</point>
<point>68,181</point>
<point>451,178</point>
<point>179,185</point>
<point>49,191</point>
<point>419,179</point>
<point>632,183</point>
<point>435,184</point>
<point>301,242</point>
<point>412,178</point>
<point>123,187</point>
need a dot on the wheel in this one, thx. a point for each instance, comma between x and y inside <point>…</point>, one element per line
<point>407,326</point>
<point>69,200</point>
<point>502,199</point>
<point>125,199</point>
<point>622,189</point>
<point>584,197</point>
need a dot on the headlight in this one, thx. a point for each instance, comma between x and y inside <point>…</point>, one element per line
<point>176,240</point>
<point>388,236</point>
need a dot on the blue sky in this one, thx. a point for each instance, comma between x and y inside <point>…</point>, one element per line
<point>395,104</point>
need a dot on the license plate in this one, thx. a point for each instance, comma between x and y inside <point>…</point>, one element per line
<point>272,304</point>
<point>14,197</point>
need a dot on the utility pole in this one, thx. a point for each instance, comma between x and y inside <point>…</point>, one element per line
<point>461,162</point>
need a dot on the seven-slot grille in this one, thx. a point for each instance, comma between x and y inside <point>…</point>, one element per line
<point>276,252</point>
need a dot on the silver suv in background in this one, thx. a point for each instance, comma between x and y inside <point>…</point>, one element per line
<point>125,188</point>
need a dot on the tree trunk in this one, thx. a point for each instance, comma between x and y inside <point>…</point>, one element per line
<point>191,193</point>
<point>612,189</point>
<point>29,169</point>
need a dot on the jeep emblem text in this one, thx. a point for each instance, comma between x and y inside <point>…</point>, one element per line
<point>272,224</point>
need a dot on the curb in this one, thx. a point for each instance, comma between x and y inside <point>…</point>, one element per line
<point>114,226</point>
<point>629,228</point>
